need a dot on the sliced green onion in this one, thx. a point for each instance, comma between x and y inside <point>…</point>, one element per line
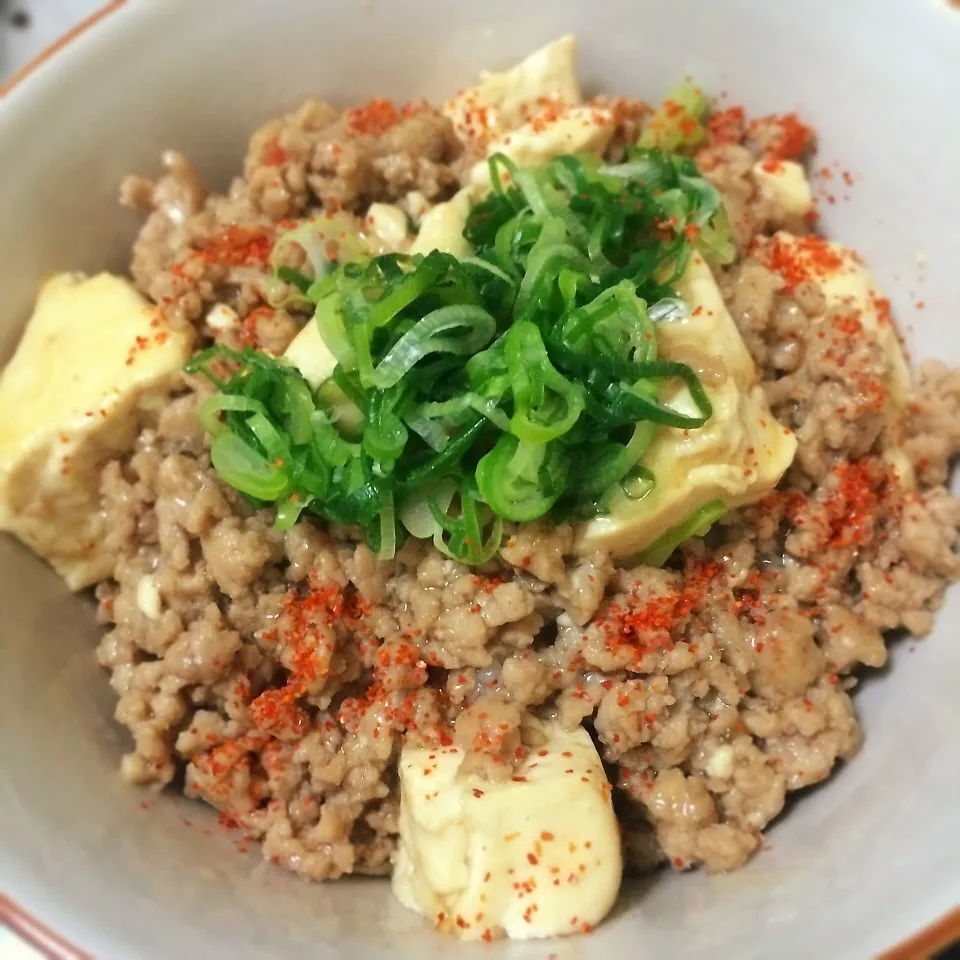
<point>669,310</point>
<point>270,438</point>
<point>549,255</point>
<point>436,333</point>
<point>417,511</point>
<point>456,408</point>
<point>462,537</point>
<point>294,277</point>
<point>212,407</point>
<point>441,463</point>
<point>546,404</point>
<point>289,510</point>
<point>521,381</point>
<point>677,121</point>
<point>327,443</point>
<point>245,469</point>
<point>430,430</point>
<point>295,406</point>
<point>648,408</point>
<point>388,527</point>
<point>503,172</point>
<point>340,409</point>
<point>698,524</point>
<point>323,240</point>
<point>330,324</point>
<point>520,481</point>
<point>385,435</point>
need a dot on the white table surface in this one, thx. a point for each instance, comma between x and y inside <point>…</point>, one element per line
<point>48,19</point>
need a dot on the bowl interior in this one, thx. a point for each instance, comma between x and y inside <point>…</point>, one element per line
<point>872,856</point>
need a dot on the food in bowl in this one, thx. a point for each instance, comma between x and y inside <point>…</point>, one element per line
<point>504,494</point>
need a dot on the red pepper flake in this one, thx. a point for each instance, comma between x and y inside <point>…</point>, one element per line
<point>248,333</point>
<point>862,487</point>
<point>794,138</point>
<point>374,118</point>
<point>882,307</point>
<point>379,115</point>
<point>274,155</point>
<point>237,246</point>
<point>725,126</point>
<point>848,324</point>
<point>647,625</point>
<point>309,619</point>
<point>801,258</point>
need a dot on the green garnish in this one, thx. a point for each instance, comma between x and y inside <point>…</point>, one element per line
<point>677,122</point>
<point>698,524</point>
<point>518,382</point>
<point>289,275</point>
<point>322,241</point>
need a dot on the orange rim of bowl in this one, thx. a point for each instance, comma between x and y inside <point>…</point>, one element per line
<point>929,941</point>
<point>48,943</point>
<point>82,27</point>
<point>921,946</point>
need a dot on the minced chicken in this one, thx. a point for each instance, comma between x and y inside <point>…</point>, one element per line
<point>275,675</point>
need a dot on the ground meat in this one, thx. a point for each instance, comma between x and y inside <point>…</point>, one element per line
<point>198,249</point>
<point>277,674</point>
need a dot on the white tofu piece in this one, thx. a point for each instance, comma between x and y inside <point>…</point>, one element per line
<point>535,856</point>
<point>722,762</point>
<point>442,226</point>
<point>93,358</point>
<point>738,456</point>
<point>503,101</point>
<point>149,601</point>
<point>221,318</point>
<point>852,286</point>
<point>309,353</point>
<point>786,184</point>
<point>385,228</point>
<point>577,130</point>
<point>532,113</point>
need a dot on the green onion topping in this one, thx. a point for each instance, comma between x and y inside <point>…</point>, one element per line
<point>519,382</point>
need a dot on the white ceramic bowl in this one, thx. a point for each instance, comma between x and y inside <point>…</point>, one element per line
<point>856,866</point>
